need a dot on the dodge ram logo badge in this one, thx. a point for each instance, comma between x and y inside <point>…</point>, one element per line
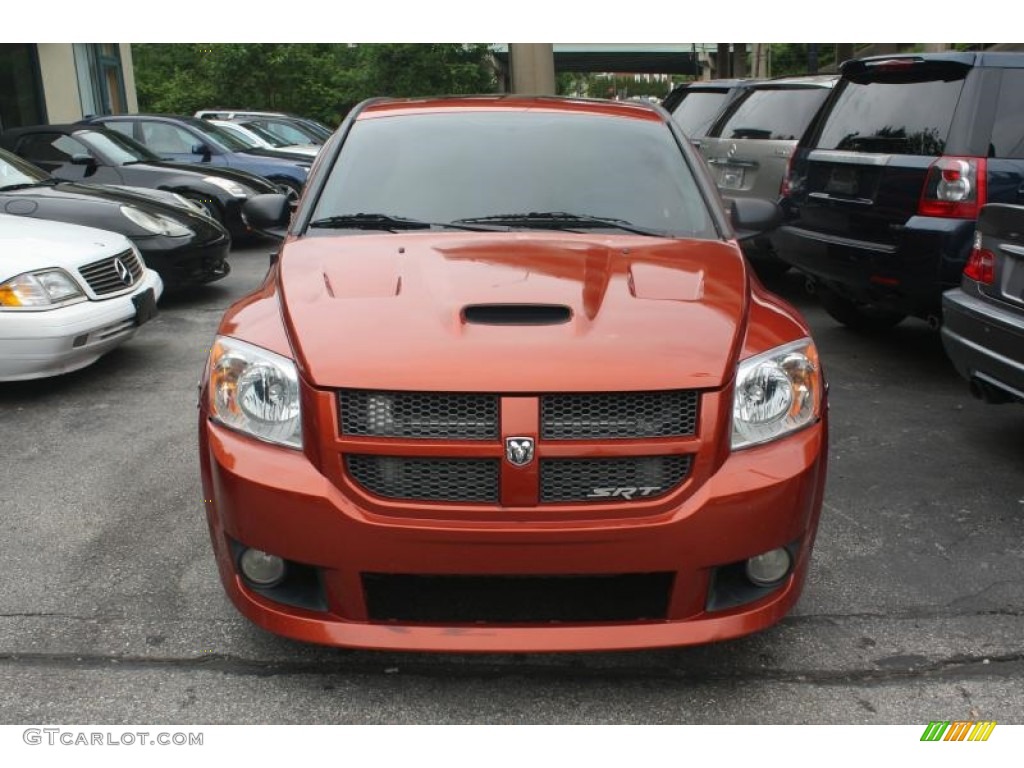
<point>519,450</point>
<point>122,272</point>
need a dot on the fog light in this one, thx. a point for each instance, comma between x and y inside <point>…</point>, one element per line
<point>769,568</point>
<point>261,569</point>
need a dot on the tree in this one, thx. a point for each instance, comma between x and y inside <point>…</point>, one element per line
<point>317,80</point>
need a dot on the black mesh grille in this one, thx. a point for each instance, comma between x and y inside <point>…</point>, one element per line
<point>398,477</point>
<point>511,599</point>
<point>418,414</point>
<point>618,415</point>
<point>618,480</point>
<point>103,278</point>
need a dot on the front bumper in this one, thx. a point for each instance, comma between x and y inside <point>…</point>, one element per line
<point>195,260</point>
<point>985,341</point>
<point>35,345</point>
<point>276,500</point>
<point>907,276</point>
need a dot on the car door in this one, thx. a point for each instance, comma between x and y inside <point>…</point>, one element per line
<point>65,157</point>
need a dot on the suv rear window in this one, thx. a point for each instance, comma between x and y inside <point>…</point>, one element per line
<point>900,118</point>
<point>698,110</point>
<point>771,113</point>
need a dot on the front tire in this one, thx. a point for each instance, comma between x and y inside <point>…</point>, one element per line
<point>862,317</point>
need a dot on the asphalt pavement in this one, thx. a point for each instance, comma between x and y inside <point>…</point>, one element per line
<point>111,610</point>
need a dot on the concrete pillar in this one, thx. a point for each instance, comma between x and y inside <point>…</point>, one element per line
<point>759,59</point>
<point>532,68</point>
<point>723,65</point>
<point>739,60</point>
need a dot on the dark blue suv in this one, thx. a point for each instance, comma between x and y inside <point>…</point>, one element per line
<point>884,189</point>
<point>191,140</point>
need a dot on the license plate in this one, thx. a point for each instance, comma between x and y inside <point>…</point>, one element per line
<point>145,306</point>
<point>732,177</point>
<point>842,181</point>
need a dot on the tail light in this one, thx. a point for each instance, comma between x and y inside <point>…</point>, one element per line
<point>955,188</point>
<point>981,264</point>
<point>789,185</point>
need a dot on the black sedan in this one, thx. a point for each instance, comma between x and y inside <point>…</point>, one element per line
<point>983,319</point>
<point>100,156</point>
<point>178,241</point>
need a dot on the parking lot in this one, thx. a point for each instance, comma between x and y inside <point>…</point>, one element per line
<point>112,611</point>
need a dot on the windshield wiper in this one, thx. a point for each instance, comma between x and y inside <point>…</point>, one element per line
<point>389,223</point>
<point>561,220</point>
<point>26,185</point>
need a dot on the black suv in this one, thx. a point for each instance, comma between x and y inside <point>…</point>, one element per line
<point>884,189</point>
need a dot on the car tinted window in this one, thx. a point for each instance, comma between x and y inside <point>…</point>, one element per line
<point>122,127</point>
<point>117,148</point>
<point>772,113</point>
<point>1008,131</point>
<point>50,148</point>
<point>904,118</point>
<point>285,131</point>
<point>444,167</point>
<point>698,110</point>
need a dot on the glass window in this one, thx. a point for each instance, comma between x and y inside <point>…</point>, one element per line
<point>780,114</point>
<point>15,172</point>
<point>698,110</point>
<point>285,131</point>
<point>444,167</point>
<point>167,139</point>
<point>905,118</point>
<point>21,93</point>
<point>115,148</point>
<point>1008,131</point>
<point>51,148</point>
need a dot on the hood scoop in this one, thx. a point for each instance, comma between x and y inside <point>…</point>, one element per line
<point>516,314</point>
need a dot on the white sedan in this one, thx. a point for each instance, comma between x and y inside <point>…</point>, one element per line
<point>68,294</point>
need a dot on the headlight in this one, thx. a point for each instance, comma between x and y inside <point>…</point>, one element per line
<point>191,205</point>
<point>229,186</point>
<point>255,391</point>
<point>158,225</point>
<point>44,289</point>
<point>777,392</point>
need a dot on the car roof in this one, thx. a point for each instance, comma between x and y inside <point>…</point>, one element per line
<point>999,59</point>
<point>820,81</point>
<point>501,102</point>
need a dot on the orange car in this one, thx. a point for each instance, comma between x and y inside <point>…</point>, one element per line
<point>510,386</point>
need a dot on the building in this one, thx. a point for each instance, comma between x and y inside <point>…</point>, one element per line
<point>64,82</point>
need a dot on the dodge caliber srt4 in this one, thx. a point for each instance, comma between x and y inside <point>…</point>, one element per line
<point>510,386</point>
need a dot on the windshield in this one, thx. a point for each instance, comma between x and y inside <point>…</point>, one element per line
<point>905,118</point>
<point>116,147</point>
<point>15,172</point>
<point>222,137</point>
<point>452,166</point>
<point>697,111</point>
<point>241,134</point>
<point>267,136</point>
<point>779,114</point>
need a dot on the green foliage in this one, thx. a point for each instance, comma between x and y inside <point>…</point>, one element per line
<point>792,58</point>
<point>609,86</point>
<point>318,80</point>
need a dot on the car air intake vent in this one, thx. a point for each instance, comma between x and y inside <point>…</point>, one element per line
<point>438,415</point>
<point>619,480</point>
<point>626,415</point>
<point>517,599</point>
<point>516,314</point>
<point>415,479</point>
<point>113,274</point>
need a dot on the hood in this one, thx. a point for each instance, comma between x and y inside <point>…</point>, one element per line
<point>28,244</point>
<point>619,312</point>
<point>257,184</point>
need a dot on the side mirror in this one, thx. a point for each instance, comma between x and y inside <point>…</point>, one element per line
<point>268,215</point>
<point>201,149</point>
<point>752,217</point>
<point>83,159</point>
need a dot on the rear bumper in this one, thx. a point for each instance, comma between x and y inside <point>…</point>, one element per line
<point>274,499</point>
<point>908,276</point>
<point>35,345</point>
<point>984,341</point>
